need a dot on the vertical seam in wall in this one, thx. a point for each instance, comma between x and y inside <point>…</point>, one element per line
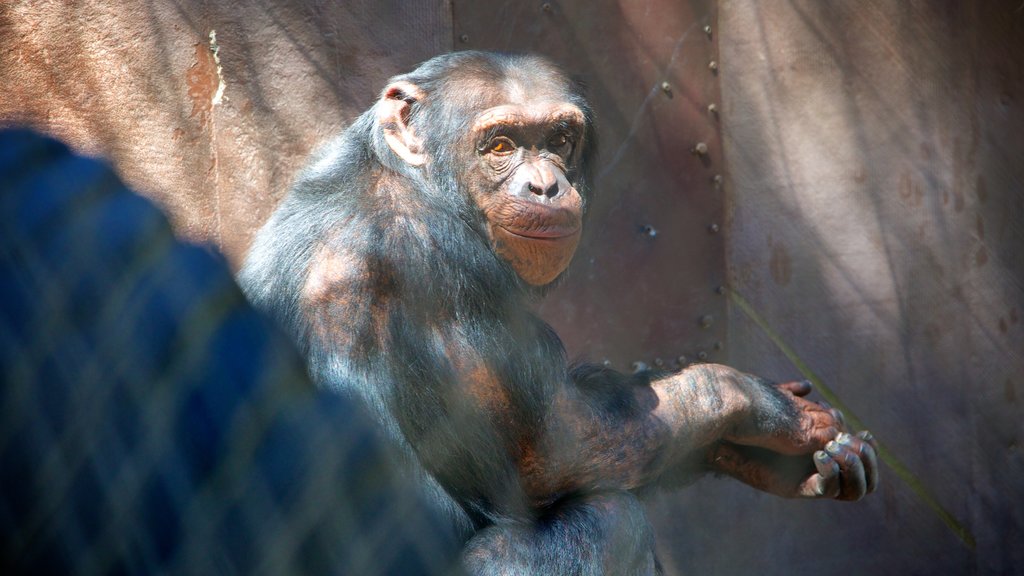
<point>448,7</point>
<point>722,188</point>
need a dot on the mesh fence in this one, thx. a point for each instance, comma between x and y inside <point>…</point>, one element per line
<point>152,422</point>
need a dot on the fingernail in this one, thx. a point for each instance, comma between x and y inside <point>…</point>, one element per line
<point>819,487</point>
<point>833,447</point>
<point>822,456</point>
<point>866,436</point>
<point>843,438</point>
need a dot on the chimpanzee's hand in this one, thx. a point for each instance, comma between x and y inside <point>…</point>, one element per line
<point>793,447</point>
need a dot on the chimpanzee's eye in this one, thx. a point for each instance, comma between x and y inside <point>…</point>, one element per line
<point>558,140</point>
<point>501,145</point>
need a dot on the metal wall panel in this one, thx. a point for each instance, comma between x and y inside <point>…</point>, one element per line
<point>875,222</point>
<point>877,229</point>
<point>642,286</point>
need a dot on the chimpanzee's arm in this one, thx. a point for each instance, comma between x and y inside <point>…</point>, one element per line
<point>607,431</point>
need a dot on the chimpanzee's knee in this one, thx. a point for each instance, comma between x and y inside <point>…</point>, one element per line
<point>605,533</point>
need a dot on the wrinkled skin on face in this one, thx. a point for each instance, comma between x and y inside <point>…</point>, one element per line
<point>524,157</point>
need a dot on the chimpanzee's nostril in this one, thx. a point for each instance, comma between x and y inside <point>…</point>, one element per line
<point>535,189</point>
<point>552,190</point>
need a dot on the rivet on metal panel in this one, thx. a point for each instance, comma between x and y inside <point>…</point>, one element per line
<point>666,88</point>
<point>717,345</point>
<point>702,356</point>
<point>713,228</point>
<point>639,366</point>
<point>706,321</point>
<point>464,38</point>
<point>606,363</point>
<point>707,30</point>
<point>720,290</point>
<point>713,66</point>
<point>682,361</point>
<point>659,363</point>
<point>717,181</point>
<point>713,109</point>
<point>701,149</point>
<point>546,7</point>
<point>650,231</point>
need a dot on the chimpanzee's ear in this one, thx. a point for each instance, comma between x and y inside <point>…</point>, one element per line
<point>393,116</point>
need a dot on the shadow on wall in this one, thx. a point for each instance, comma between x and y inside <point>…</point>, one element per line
<point>875,227</point>
<point>875,217</point>
<point>139,83</point>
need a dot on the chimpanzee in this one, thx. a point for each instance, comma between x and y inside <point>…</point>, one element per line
<point>403,261</point>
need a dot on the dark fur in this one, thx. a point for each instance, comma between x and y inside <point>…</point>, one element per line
<point>448,279</point>
<point>451,276</point>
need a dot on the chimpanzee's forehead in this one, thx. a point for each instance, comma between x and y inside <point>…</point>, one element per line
<point>528,91</point>
<point>535,113</point>
<point>533,75</point>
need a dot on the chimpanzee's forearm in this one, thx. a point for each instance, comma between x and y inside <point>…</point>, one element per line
<point>612,431</point>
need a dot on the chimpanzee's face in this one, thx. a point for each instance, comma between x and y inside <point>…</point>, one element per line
<point>525,155</point>
<point>515,139</point>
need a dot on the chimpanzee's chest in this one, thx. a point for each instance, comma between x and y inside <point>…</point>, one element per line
<point>515,371</point>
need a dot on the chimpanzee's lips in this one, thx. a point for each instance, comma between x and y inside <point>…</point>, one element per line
<point>541,222</point>
<point>546,233</point>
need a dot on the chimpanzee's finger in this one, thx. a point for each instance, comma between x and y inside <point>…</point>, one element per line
<point>799,388</point>
<point>824,484</point>
<point>836,414</point>
<point>853,483</point>
<point>869,457</point>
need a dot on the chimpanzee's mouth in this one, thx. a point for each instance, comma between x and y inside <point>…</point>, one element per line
<point>545,233</point>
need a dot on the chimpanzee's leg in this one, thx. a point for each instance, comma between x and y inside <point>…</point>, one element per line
<point>605,533</point>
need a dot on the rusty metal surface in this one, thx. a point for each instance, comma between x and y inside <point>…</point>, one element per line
<point>642,286</point>
<point>877,225</point>
<point>138,82</point>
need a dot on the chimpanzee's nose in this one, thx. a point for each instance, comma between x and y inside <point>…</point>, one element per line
<point>542,181</point>
<point>551,191</point>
